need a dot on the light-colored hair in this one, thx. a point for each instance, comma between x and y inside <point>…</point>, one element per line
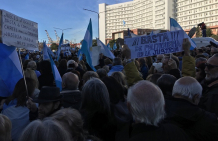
<point>70,62</point>
<point>120,77</point>
<point>32,65</point>
<point>73,120</point>
<point>88,75</point>
<point>146,103</point>
<point>71,80</point>
<point>46,130</point>
<point>5,128</point>
<point>31,74</point>
<point>187,87</point>
<point>106,68</point>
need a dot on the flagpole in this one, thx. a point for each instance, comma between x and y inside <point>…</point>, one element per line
<point>23,74</point>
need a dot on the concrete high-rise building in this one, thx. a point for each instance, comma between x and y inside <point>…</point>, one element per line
<point>154,14</point>
<point>192,12</point>
<point>145,14</point>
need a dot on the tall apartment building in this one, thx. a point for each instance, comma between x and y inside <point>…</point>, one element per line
<point>145,14</point>
<point>154,14</point>
<point>192,12</point>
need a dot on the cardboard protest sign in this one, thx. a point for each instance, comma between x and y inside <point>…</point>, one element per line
<point>18,32</point>
<point>161,43</point>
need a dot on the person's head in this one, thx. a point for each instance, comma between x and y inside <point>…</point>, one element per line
<point>32,65</point>
<point>88,75</point>
<point>71,64</point>
<point>46,130</point>
<point>187,88</point>
<point>20,92</point>
<point>120,77</point>
<point>199,69</point>
<point>145,102</point>
<point>211,69</point>
<point>5,128</point>
<point>115,89</point>
<point>101,73</point>
<point>45,67</point>
<point>107,61</point>
<point>49,100</point>
<point>70,81</point>
<point>31,74</point>
<point>72,122</point>
<point>106,68</point>
<point>159,58</point>
<point>117,61</point>
<point>155,77</point>
<point>200,60</point>
<point>165,61</point>
<point>213,51</point>
<point>199,51</point>
<point>25,64</point>
<point>63,64</point>
<point>95,96</point>
<point>166,83</point>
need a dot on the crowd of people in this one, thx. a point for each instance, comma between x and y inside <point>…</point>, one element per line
<point>169,97</point>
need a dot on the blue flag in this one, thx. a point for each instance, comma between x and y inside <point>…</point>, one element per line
<point>56,74</point>
<point>115,46</point>
<point>87,46</point>
<point>59,47</point>
<point>105,50</point>
<point>27,56</point>
<point>129,33</point>
<point>10,70</point>
<point>45,52</point>
<point>175,26</point>
<point>124,23</point>
<point>108,46</point>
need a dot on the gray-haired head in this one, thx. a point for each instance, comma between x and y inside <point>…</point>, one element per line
<point>101,73</point>
<point>88,75</point>
<point>120,77</point>
<point>70,81</point>
<point>32,65</point>
<point>70,64</point>
<point>146,103</point>
<point>46,130</point>
<point>117,61</point>
<point>187,88</point>
<point>199,60</point>
<point>106,68</point>
<point>95,96</point>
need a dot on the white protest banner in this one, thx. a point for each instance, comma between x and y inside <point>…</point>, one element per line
<point>161,43</point>
<point>95,51</point>
<point>19,32</point>
<point>65,47</point>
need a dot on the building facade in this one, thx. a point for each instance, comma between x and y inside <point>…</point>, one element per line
<point>154,14</point>
<point>142,14</point>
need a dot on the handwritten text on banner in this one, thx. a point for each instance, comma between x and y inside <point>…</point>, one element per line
<point>161,43</point>
<point>19,32</point>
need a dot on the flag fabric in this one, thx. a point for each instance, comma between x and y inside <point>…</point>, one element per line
<point>56,74</point>
<point>151,33</point>
<point>175,26</point>
<point>105,50</point>
<point>45,51</point>
<point>124,23</point>
<point>108,46</point>
<point>10,70</point>
<point>27,56</point>
<point>59,47</point>
<point>114,46</point>
<point>50,52</point>
<point>87,46</point>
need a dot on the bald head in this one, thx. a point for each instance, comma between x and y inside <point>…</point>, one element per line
<point>70,81</point>
<point>146,103</point>
<point>187,87</point>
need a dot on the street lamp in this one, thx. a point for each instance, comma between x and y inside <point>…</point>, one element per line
<point>98,18</point>
<point>62,29</point>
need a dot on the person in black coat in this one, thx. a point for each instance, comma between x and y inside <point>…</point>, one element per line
<point>71,95</point>
<point>182,110</point>
<point>146,103</point>
<point>46,78</point>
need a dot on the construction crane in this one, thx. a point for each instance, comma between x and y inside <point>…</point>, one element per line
<point>50,41</point>
<point>58,38</point>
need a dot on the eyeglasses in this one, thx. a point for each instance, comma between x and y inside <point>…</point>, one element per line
<point>209,66</point>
